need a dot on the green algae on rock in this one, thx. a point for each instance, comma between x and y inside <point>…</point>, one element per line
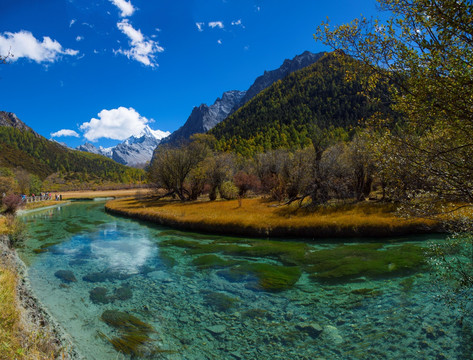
<point>219,301</point>
<point>212,262</point>
<point>265,277</point>
<point>134,339</point>
<point>348,262</point>
<point>125,322</point>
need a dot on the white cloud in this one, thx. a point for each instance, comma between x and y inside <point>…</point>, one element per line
<point>142,50</point>
<point>126,8</point>
<point>200,26</point>
<point>79,38</point>
<point>117,124</point>
<point>65,132</point>
<point>24,45</point>
<point>72,22</point>
<point>214,24</point>
<point>219,41</point>
<point>238,23</point>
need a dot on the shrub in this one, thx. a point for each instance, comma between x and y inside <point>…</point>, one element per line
<point>11,203</point>
<point>245,182</point>
<point>228,190</point>
<point>17,231</point>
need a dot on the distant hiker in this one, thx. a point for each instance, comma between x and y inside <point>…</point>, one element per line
<point>60,197</point>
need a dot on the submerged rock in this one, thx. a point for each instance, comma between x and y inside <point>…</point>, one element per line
<point>312,329</point>
<point>98,295</point>
<point>331,334</point>
<point>107,275</point>
<point>216,329</point>
<point>66,276</point>
<point>123,293</point>
<point>219,301</point>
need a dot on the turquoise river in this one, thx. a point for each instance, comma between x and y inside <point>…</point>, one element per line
<point>124,289</point>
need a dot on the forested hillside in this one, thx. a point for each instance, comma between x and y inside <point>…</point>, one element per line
<point>39,156</point>
<point>286,114</point>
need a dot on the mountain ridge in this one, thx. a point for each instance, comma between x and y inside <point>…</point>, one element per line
<point>203,118</point>
<point>22,147</point>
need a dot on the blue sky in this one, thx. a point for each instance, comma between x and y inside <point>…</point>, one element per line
<point>105,68</point>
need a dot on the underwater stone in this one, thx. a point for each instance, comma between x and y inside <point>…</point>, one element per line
<point>123,293</point>
<point>332,335</point>
<point>219,301</point>
<point>216,329</point>
<point>105,276</point>
<point>313,329</point>
<point>98,295</point>
<point>66,276</point>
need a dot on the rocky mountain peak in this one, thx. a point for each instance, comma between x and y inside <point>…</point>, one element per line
<point>204,117</point>
<point>11,120</point>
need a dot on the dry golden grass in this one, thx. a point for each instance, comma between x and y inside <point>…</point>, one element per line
<point>257,217</point>
<point>3,225</point>
<point>16,341</point>
<point>91,194</point>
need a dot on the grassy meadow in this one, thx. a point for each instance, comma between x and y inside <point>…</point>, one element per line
<point>259,217</point>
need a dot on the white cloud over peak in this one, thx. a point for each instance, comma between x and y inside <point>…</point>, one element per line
<point>200,26</point>
<point>216,24</point>
<point>126,8</point>
<point>142,49</point>
<point>65,132</point>
<point>116,124</point>
<point>23,44</point>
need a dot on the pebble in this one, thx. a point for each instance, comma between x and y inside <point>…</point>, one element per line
<point>216,329</point>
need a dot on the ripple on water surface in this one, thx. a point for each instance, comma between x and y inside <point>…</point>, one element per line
<point>126,290</point>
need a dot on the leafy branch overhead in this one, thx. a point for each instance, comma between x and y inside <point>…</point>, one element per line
<point>425,51</point>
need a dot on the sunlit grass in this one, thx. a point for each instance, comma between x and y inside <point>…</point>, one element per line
<point>90,194</point>
<point>260,217</point>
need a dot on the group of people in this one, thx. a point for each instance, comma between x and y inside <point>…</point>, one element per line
<point>40,197</point>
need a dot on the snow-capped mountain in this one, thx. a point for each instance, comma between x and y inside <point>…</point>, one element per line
<point>134,151</point>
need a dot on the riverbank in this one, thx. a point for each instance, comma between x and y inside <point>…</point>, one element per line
<point>94,194</point>
<point>27,331</point>
<point>260,218</point>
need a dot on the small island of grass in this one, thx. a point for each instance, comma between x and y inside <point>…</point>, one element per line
<point>261,218</point>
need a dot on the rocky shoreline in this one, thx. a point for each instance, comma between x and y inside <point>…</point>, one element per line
<point>34,314</point>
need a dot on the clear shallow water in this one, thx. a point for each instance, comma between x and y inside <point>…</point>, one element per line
<point>198,314</point>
